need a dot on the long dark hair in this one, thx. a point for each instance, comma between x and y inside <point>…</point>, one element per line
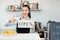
<point>29,14</point>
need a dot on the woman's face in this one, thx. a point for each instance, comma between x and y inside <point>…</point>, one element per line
<point>25,11</point>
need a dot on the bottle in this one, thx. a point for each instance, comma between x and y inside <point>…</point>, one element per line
<point>37,5</point>
<point>41,33</point>
<point>21,4</point>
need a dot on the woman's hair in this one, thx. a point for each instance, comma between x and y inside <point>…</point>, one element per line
<point>29,14</point>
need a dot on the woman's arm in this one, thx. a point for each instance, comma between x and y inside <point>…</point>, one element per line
<point>12,21</point>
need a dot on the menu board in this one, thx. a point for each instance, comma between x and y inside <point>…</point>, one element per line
<point>54,31</point>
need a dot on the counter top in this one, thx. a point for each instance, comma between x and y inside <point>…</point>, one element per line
<point>25,36</point>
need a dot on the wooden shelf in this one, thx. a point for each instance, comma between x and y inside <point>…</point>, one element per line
<point>18,10</point>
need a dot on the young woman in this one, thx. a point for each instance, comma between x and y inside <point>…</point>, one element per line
<point>26,15</point>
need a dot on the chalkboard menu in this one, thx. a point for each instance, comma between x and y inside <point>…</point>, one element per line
<point>54,30</point>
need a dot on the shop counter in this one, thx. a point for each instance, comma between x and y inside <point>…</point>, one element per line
<point>20,36</point>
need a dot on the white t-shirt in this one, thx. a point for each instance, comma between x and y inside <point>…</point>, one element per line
<point>32,29</point>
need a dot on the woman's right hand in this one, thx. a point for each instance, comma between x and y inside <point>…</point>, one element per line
<point>12,19</point>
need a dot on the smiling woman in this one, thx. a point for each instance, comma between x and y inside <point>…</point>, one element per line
<point>26,15</point>
<point>24,24</point>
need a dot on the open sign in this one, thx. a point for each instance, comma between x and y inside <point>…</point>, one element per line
<point>25,23</point>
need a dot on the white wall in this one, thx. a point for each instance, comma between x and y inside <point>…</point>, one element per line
<point>50,10</point>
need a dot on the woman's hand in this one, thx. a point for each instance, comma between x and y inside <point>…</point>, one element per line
<point>12,19</point>
<point>33,25</point>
